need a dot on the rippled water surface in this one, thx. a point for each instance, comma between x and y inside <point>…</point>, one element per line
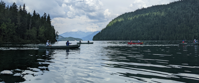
<point>102,62</point>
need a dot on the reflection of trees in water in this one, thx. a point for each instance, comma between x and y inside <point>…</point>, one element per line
<point>171,59</point>
<point>11,78</point>
<point>151,54</point>
<point>189,54</point>
<point>184,47</point>
<point>23,60</point>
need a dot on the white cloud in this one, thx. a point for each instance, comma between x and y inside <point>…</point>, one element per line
<point>147,3</point>
<point>106,12</point>
<point>138,4</point>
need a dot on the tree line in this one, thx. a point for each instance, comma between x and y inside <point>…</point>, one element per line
<point>19,26</point>
<point>175,21</point>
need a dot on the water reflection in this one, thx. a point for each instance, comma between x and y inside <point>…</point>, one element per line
<point>67,52</point>
<point>103,62</point>
<point>196,49</point>
<point>22,63</point>
<point>47,51</point>
<point>184,47</point>
<point>162,62</point>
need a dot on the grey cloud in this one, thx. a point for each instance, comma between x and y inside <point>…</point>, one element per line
<point>97,15</point>
<point>59,2</point>
<point>52,7</point>
<point>84,7</point>
<point>89,7</point>
<point>93,9</point>
<point>10,2</point>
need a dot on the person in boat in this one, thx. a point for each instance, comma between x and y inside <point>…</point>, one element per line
<point>194,41</point>
<point>130,41</point>
<point>48,43</point>
<point>183,41</point>
<point>67,43</point>
<point>138,41</point>
<point>88,41</point>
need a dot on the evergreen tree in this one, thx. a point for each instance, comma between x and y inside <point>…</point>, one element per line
<point>16,25</point>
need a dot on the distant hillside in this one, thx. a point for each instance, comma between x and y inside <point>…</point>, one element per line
<point>61,38</point>
<point>175,21</point>
<point>78,34</point>
<point>90,37</point>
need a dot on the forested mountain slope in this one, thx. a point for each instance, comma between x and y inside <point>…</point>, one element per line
<point>175,21</point>
<point>18,26</point>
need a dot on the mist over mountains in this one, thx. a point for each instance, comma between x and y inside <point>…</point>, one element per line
<point>61,38</point>
<point>80,34</point>
<point>90,37</point>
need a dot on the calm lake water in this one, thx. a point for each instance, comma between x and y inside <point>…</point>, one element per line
<point>102,62</point>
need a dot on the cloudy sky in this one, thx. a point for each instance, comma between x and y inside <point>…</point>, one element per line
<point>84,15</point>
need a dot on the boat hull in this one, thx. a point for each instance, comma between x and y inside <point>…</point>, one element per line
<point>59,47</point>
<point>85,43</point>
<point>135,43</point>
<point>189,43</point>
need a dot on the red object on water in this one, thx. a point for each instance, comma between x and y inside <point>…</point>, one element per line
<point>135,43</point>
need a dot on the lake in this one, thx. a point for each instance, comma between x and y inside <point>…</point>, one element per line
<point>102,62</point>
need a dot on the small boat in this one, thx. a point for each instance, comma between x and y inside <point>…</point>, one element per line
<point>85,43</point>
<point>60,47</point>
<point>135,43</point>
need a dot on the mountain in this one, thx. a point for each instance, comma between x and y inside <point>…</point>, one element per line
<point>61,38</point>
<point>90,37</point>
<point>175,21</point>
<point>78,34</point>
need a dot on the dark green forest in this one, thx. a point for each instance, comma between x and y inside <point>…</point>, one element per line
<point>19,26</point>
<point>175,21</point>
